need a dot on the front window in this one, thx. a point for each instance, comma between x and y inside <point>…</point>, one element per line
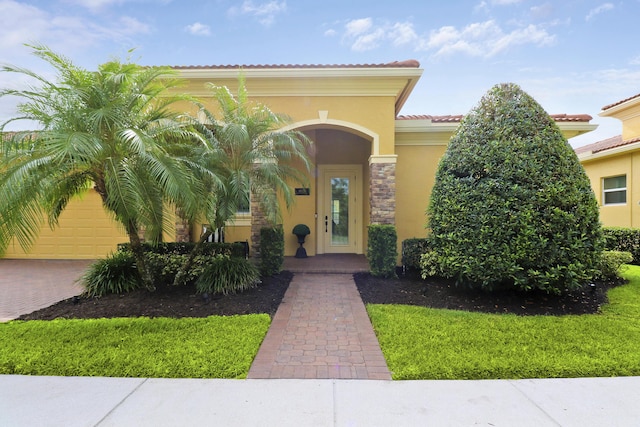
<point>614,190</point>
<point>244,206</point>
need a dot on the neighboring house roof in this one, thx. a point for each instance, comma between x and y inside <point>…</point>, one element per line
<point>455,119</point>
<point>605,144</point>
<point>622,101</point>
<point>614,141</point>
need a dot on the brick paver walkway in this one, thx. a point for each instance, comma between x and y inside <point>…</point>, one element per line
<point>321,330</point>
<point>28,285</point>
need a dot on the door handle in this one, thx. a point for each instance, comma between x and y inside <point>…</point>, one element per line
<point>326,224</point>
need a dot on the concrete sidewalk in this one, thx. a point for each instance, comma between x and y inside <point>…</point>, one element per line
<point>86,401</point>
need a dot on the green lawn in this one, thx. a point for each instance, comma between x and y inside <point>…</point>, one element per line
<point>213,347</point>
<point>423,343</point>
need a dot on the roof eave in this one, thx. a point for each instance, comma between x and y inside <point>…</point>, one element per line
<point>573,129</point>
<point>590,155</point>
<point>615,110</point>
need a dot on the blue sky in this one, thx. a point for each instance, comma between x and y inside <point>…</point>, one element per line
<point>573,56</point>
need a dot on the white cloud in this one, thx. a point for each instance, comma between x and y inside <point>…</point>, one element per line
<point>635,61</point>
<point>368,41</point>
<point>542,11</point>
<point>98,6</point>
<point>22,23</point>
<point>358,26</point>
<point>504,2</point>
<point>598,10</point>
<point>483,39</point>
<point>363,35</point>
<point>265,13</point>
<point>402,33</point>
<point>198,29</point>
<point>330,32</point>
<point>95,5</point>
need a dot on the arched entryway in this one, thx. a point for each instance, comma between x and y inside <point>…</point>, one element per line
<point>341,183</point>
<point>351,186</point>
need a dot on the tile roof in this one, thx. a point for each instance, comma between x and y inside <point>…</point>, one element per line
<point>606,107</point>
<point>434,119</point>
<point>410,63</point>
<point>457,118</point>
<point>606,144</point>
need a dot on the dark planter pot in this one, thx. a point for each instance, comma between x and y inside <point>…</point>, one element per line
<point>301,252</point>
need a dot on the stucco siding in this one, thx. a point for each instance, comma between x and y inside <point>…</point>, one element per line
<point>85,231</point>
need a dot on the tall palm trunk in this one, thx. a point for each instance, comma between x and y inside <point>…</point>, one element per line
<point>138,254</point>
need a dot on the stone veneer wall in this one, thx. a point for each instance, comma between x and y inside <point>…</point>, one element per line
<point>183,229</point>
<point>258,221</point>
<point>382,193</point>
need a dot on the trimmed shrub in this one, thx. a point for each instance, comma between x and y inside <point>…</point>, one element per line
<point>412,251</point>
<point>115,274</point>
<point>271,250</point>
<point>623,239</point>
<point>512,205</point>
<point>382,251</point>
<point>225,275</point>
<point>611,264</point>
<point>164,267</point>
<point>181,248</point>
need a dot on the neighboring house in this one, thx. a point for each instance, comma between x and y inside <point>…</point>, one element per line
<point>372,165</point>
<point>613,165</point>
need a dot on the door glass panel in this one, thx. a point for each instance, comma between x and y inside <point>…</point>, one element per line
<point>339,211</point>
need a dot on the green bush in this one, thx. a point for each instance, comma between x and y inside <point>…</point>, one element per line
<point>429,265</point>
<point>227,275</point>
<point>114,274</point>
<point>164,267</point>
<point>382,251</point>
<point>611,264</point>
<point>271,250</point>
<point>512,205</point>
<point>412,251</point>
<point>623,239</point>
<point>182,248</point>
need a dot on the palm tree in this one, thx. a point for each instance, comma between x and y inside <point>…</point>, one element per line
<point>112,129</point>
<point>247,153</point>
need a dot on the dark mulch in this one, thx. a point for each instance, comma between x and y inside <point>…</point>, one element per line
<point>407,289</point>
<point>410,289</point>
<point>171,302</point>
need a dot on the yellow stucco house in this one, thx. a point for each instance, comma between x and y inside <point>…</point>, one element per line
<point>611,165</point>
<point>372,165</point>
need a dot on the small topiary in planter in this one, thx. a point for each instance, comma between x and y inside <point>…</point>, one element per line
<point>301,231</point>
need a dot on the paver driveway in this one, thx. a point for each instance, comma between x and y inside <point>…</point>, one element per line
<point>27,285</point>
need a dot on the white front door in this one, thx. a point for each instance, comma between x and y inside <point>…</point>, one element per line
<point>340,209</point>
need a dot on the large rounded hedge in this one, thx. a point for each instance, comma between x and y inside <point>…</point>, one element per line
<point>511,204</point>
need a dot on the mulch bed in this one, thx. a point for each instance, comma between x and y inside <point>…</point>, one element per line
<point>410,289</point>
<point>407,289</point>
<point>170,302</point>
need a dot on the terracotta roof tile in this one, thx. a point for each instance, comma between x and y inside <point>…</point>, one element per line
<point>606,144</point>
<point>571,117</point>
<point>457,118</point>
<point>606,107</point>
<point>434,119</point>
<point>600,145</point>
<point>410,63</point>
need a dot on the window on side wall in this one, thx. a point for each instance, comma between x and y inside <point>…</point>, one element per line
<point>614,190</point>
<point>243,214</point>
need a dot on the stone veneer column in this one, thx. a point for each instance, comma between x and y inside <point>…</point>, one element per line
<point>382,189</point>
<point>258,221</point>
<point>183,229</point>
